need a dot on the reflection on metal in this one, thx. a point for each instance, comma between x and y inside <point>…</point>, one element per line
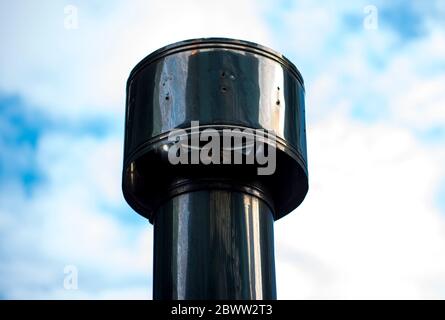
<point>213,223</point>
<point>214,245</point>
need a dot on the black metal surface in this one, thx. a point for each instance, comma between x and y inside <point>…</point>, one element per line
<point>214,245</point>
<point>220,82</point>
<point>213,223</point>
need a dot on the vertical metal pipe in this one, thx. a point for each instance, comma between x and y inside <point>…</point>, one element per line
<point>214,244</point>
<point>213,222</point>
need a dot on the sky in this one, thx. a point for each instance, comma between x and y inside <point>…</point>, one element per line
<point>373,223</point>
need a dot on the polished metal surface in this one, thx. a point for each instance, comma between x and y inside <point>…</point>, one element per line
<point>213,223</point>
<point>215,81</point>
<point>214,245</point>
<point>218,82</point>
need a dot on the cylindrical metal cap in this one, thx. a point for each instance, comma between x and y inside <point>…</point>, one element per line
<point>223,84</point>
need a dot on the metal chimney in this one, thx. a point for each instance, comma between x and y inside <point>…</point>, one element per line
<point>213,222</point>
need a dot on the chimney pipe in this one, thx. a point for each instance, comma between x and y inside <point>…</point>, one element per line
<point>213,207</point>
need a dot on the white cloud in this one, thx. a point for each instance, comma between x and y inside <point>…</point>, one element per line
<point>422,103</point>
<point>78,73</point>
<point>413,83</point>
<point>368,228</point>
<point>84,71</point>
<point>69,220</point>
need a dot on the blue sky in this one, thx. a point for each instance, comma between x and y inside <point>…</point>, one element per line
<point>373,224</point>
